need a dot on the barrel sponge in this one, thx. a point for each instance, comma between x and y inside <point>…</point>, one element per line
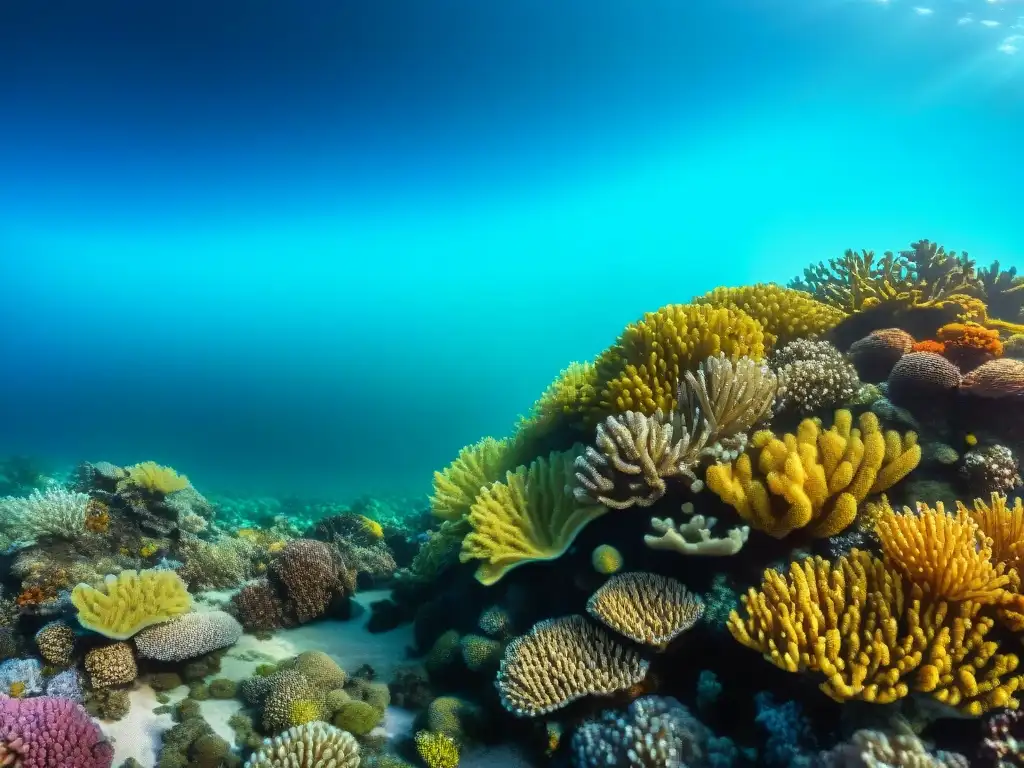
<point>130,601</point>
<point>875,637</point>
<point>642,370</point>
<point>476,466</point>
<point>814,479</point>
<point>188,636</point>
<point>785,314</point>
<point>311,745</point>
<point>562,660</point>
<point>531,516</point>
<point>646,607</point>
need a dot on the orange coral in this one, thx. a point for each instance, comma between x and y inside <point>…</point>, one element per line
<point>32,596</point>
<point>97,516</point>
<point>969,344</point>
<point>930,345</point>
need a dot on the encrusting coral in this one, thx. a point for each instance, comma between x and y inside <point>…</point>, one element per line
<point>530,516</point>
<point>815,479</point>
<point>562,660</point>
<point>645,607</point>
<point>130,601</point>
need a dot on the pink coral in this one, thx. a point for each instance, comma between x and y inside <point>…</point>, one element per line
<point>50,732</point>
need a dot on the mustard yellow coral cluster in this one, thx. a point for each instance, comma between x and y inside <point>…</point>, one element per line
<point>458,484</point>
<point>438,750</point>
<point>155,478</point>
<point>642,370</point>
<point>815,479</point>
<point>131,601</point>
<point>530,516</point>
<point>784,313</point>
<point>875,637</point>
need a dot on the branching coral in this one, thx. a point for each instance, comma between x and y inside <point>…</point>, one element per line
<point>645,607</point>
<point>562,660</point>
<point>642,370</point>
<point>856,280</point>
<point>635,455</point>
<point>875,638</point>
<point>458,484</point>
<point>530,516</point>
<point>784,313</point>
<point>56,512</point>
<point>815,479</point>
<point>130,601</point>
<point>695,536</point>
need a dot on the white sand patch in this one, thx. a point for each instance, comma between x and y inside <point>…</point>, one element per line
<point>347,642</point>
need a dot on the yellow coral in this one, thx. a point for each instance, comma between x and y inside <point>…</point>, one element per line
<point>642,370</point>
<point>372,527</point>
<point>784,313</point>
<point>571,393</point>
<point>531,516</point>
<point>438,750</point>
<point>458,484</point>
<point>1004,526</point>
<point>130,601</point>
<point>606,559</point>
<point>155,478</point>
<point>946,555</point>
<point>815,479</point>
<point>302,711</point>
<point>875,638</point>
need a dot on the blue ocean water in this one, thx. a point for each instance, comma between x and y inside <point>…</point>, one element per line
<point>319,246</point>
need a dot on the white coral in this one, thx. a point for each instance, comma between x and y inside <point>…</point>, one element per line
<point>55,512</point>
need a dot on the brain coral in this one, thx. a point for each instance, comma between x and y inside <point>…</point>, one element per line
<point>996,379</point>
<point>311,576</point>
<point>921,375</point>
<point>876,354</point>
<point>312,745</point>
<point>188,636</point>
<point>46,732</point>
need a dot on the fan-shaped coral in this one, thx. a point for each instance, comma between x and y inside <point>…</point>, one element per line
<point>458,484</point>
<point>130,601</point>
<point>815,479</point>
<point>531,516</point>
<point>562,660</point>
<point>645,607</point>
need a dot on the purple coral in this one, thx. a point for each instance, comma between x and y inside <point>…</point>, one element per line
<point>48,732</point>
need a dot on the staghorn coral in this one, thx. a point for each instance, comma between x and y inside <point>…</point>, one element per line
<point>875,638</point>
<point>784,313</point>
<point>815,479</point>
<point>130,601</point>
<point>188,636</point>
<point>109,665</point>
<point>561,660</point>
<point>874,356</point>
<point>813,376</point>
<point>311,745</point>
<point>645,607</point>
<point>635,455</point>
<point>695,537</point>
<point>642,370</point>
<point>458,484</point>
<point>856,280</point>
<point>437,750</point>
<point>530,516</point>
<point>47,732</point>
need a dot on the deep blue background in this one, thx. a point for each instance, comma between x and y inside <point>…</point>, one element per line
<point>321,245</point>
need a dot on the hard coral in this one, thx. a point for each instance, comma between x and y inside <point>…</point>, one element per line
<point>875,355</point>
<point>784,313</point>
<point>996,379</point>
<point>188,636</point>
<point>968,345</point>
<point>155,479</point>
<point>813,376</point>
<point>310,577</point>
<point>458,484</point>
<point>922,377</point>
<point>130,601</point>
<point>46,732</point>
<point>645,607</point>
<point>313,745</point>
<point>259,608</point>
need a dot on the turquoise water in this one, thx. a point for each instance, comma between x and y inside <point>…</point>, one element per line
<point>318,247</point>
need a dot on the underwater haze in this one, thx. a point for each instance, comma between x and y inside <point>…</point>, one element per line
<point>318,247</point>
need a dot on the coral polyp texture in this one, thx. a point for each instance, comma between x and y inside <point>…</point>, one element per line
<point>814,480</point>
<point>311,745</point>
<point>188,636</point>
<point>130,601</point>
<point>47,732</point>
<point>562,660</point>
<point>645,607</point>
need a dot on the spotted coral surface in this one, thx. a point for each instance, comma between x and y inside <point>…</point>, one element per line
<point>190,635</point>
